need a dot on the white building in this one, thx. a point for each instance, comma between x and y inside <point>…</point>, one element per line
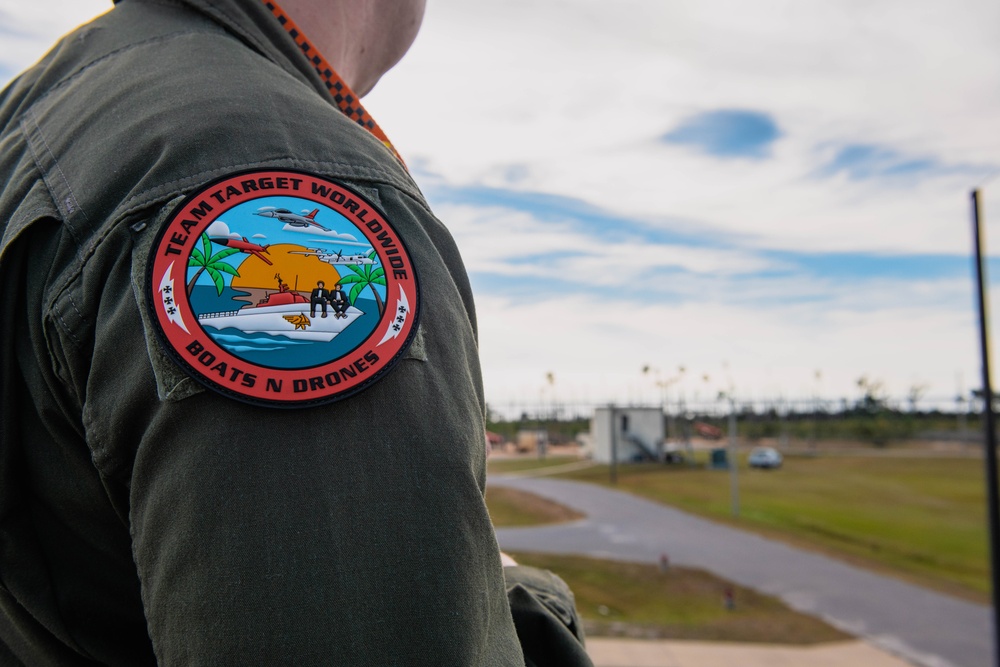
<point>633,434</point>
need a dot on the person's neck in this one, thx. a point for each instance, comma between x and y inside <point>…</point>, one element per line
<point>361,51</point>
<point>338,30</point>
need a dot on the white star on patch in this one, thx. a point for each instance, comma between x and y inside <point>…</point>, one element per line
<point>396,325</point>
<point>166,292</point>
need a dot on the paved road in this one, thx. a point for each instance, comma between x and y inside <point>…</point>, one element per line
<point>923,627</point>
<point>614,652</point>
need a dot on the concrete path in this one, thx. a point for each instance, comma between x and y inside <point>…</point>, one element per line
<point>668,653</point>
<point>923,627</point>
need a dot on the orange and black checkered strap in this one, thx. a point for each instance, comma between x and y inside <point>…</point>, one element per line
<point>342,94</point>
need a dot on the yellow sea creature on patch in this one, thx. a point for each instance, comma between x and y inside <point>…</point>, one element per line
<point>301,321</point>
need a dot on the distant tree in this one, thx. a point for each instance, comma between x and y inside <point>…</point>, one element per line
<point>914,395</point>
<point>872,394</point>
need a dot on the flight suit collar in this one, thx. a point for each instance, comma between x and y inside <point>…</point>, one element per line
<point>252,22</point>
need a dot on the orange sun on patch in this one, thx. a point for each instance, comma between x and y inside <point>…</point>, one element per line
<point>299,272</point>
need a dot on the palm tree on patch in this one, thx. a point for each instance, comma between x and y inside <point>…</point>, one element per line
<point>365,276</point>
<point>206,261</point>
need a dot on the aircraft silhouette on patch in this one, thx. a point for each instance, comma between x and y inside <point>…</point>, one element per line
<point>335,258</point>
<point>291,219</point>
<point>243,246</point>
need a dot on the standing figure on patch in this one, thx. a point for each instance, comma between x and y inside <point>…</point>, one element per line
<point>339,301</point>
<point>320,297</point>
<point>161,505</point>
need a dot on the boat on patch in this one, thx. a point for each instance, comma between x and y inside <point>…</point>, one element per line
<point>283,313</point>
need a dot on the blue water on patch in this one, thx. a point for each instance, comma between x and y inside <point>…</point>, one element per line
<point>205,299</point>
<point>282,352</point>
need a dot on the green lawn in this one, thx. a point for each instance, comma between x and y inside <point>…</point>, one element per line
<point>919,518</point>
<point>499,466</point>
<point>632,599</point>
<point>922,519</point>
<point>510,507</point>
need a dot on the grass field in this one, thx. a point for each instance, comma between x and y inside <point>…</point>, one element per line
<point>921,519</point>
<point>509,508</point>
<point>522,463</point>
<point>637,600</point>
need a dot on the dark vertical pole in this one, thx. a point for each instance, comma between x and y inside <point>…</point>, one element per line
<point>734,484</point>
<point>614,445</point>
<point>988,425</point>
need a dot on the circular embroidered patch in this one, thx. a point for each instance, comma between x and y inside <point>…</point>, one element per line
<point>282,288</point>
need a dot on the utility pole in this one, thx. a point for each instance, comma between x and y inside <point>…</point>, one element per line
<point>613,470</point>
<point>734,483</point>
<point>960,409</point>
<point>988,425</point>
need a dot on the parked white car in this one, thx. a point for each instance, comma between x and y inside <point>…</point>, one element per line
<point>764,457</point>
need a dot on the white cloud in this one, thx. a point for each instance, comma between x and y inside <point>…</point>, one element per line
<point>502,241</point>
<point>763,351</point>
<point>571,98</point>
<point>320,236</point>
<point>30,28</point>
<point>575,97</point>
<point>220,228</point>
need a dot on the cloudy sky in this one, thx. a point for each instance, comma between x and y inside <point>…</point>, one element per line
<point>773,195</point>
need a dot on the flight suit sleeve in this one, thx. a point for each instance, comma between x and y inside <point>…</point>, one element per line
<point>546,618</point>
<point>353,533</point>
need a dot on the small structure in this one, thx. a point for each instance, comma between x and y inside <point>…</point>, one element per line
<point>707,431</point>
<point>719,459</point>
<point>633,434</point>
<point>495,440</point>
<point>529,440</point>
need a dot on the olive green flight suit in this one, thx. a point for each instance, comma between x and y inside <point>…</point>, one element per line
<point>147,520</point>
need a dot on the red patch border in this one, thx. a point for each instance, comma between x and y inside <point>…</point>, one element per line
<point>257,384</point>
